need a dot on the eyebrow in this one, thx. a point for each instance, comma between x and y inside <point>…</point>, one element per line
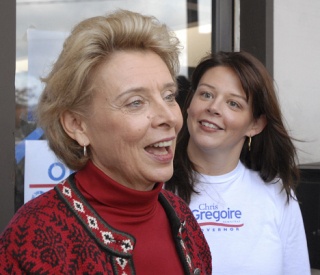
<point>170,85</point>
<point>143,89</point>
<point>214,88</point>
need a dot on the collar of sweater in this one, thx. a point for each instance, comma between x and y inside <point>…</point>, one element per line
<point>114,199</point>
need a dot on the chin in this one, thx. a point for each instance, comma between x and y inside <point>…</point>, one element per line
<point>166,178</point>
<point>163,176</point>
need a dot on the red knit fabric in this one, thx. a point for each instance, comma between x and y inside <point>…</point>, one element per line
<point>60,232</point>
<point>137,212</point>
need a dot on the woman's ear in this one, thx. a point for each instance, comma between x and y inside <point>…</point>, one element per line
<point>75,127</point>
<point>258,125</point>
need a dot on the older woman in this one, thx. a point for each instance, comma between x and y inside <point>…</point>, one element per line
<point>109,112</point>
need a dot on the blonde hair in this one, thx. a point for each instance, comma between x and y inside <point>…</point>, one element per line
<point>91,43</point>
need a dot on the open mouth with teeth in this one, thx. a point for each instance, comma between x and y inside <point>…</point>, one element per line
<point>210,125</point>
<point>159,148</point>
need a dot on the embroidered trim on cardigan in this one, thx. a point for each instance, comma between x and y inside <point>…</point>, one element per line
<point>117,242</point>
<point>182,233</point>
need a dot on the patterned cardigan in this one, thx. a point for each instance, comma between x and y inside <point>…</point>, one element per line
<point>59,233</point>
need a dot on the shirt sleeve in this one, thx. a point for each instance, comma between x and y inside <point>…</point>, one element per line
<point>292,233</point>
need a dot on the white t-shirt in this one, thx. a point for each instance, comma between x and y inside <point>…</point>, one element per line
<point>250,228</point>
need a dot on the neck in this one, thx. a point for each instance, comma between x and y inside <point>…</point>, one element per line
<point>213,162</point>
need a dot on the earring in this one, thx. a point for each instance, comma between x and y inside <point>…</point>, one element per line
<point>84,150</point>
<point>249,143</point>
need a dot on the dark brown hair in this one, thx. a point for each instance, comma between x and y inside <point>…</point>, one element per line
<point>272,152</point>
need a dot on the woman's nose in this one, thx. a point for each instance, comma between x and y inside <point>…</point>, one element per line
<point>214,107</point>
<point>167,114</point>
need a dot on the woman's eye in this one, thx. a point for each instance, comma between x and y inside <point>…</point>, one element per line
<point>206,95</point>
<point>171,96</point>
<point>135,103</point>
<point>234,104</point>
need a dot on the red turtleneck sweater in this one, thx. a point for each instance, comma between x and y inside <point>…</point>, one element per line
<point>138,213</point>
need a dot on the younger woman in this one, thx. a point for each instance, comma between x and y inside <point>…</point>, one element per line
<point>235,166</point>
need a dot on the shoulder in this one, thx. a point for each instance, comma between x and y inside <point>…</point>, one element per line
<point>34,214</point>
<point>28,227</point>
<point>44,212</point>
<point>170,195</point>
<point>274,187</point>
<point>175,201</point>
<point>40,205</point>
<point>41,231</point>
<point>181,209</point>
<point>270,194</point>
<point>273,194</point>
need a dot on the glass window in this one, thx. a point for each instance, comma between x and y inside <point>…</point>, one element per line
<point>42,25</point>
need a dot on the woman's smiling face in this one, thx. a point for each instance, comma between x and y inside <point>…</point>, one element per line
<point>135,119</point>
<point>219,115</point>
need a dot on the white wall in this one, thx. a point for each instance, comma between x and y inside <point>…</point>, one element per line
<point>297,71</point>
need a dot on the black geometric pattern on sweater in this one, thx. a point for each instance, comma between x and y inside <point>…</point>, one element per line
<point>22,248</point>
<point>188,236</point>
<point>47,246</point>
<point>119,243</point>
